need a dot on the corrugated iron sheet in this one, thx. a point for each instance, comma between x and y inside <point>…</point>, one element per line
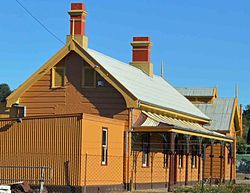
<point>220,113</point>
<point>154,90</point>
<point>154,120</point>
<point>49,141</point>
<point>196,91</point>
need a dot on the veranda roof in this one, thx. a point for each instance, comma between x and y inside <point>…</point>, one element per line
<point>160,122</point>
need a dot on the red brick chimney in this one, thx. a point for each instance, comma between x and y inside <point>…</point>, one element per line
<point>77,24</point>
<point>141,54</point>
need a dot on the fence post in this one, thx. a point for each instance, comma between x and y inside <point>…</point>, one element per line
<point>42,180</point>
<point>203,167</point>
<point>85,173</point>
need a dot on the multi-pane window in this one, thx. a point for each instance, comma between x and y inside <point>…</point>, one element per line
<point>88,77</point>
<point>181,151</point>
<point>145,150</point>
<point>104,146</point>
<point>194,161</point>
<point>180,160</point>
<point>194,156</point>
<point>58,76</point>
<point>165,163</point>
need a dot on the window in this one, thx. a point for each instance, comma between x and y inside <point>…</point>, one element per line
<point>165,163</point>
<point>194,156</point>
<point>194,161</point>
<point>104,146</point>
<point>165,152</point>
<point>58,77</point>
<point>88,77</point>
<point>180,160</point>
<point>145,150</point>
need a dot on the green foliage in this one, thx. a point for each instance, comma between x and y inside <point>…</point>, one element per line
<point>246,123</point>
<point>4,91</point>
<point>223,188</point>
<point>240,145</point>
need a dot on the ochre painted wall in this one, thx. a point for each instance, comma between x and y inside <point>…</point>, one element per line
<point>69,144</point>
<point>105,101</point>
<point>98,174</point>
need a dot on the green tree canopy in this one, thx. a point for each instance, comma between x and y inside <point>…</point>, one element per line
<point>4,91</point>
<point>246,123</point>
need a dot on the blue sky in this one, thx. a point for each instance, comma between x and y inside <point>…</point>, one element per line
<point>203,43</point>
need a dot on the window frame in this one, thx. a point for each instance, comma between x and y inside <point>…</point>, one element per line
<point>104,148</point>
<point>165,152</point>
<point>53,76</point>
<point>145,150</point>
<point>194,161</point>
<point>83,77</point>
<point>165,161</point>
<point>180,165</point>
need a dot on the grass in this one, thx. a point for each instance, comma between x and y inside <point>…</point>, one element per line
<point>223,188</point>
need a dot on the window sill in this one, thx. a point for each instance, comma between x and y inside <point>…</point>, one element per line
<point>57,87</point>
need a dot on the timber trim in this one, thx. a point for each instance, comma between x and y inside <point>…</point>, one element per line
<point>14,97</point>
<point>45,116</point>
<point>157,109</point>
<point>182,131</point>
<point>131,100</point>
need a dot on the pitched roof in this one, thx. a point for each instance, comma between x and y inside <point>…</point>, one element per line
<point>206,92</point>
<point>152,90</point>
<point>220,112</point>
<point>148,90</point>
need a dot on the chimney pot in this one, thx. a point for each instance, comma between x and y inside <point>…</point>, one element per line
<point>141,54</point>
<point>78,6</point>
<point>77,24</point>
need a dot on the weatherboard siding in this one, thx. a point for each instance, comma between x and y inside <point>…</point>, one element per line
<point>41,99</point>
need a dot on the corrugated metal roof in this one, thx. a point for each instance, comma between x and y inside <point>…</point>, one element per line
<point>196,91</point>
<point>154,90</point>
<point>154,120</point>
<point>220,113</point>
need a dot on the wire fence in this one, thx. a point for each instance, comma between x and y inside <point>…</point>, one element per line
<point>96,173</point>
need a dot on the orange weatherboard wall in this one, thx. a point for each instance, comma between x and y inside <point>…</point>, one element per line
<point>64,143</point>
<point>92,141</point>
<point>42,99</point>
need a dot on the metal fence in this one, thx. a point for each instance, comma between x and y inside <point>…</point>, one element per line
<point>90,173</point>
<point>243,163</point>
<point>43,174</point>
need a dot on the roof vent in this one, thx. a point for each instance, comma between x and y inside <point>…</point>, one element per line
<point>17,111</point>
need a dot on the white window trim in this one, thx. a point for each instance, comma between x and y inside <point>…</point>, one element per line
<point>145,159</point>
<point>105,147</point>
<point>194,161</point>
<point>145,152</point>
<point>180,160</point>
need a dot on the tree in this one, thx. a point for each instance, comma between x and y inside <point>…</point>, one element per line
<point>246,122</point>
<point>240,145</point>
<point>4,91</point>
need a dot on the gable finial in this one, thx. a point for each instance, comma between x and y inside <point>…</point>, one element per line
<point>236,91</point>
<point>162,69</point>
